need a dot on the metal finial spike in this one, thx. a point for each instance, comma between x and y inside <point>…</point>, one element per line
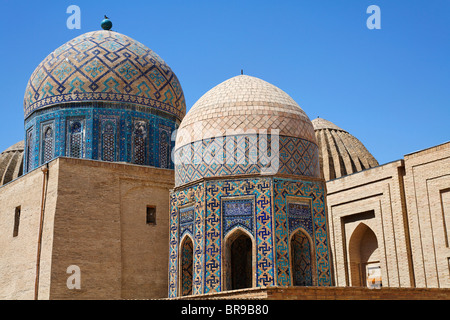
<point>242,71</point>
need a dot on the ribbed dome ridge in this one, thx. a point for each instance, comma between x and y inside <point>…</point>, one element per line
<point>11,163</point>
<point>340,153</point>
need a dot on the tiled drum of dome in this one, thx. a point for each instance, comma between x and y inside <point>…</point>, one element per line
<point>106,133</point>
<point>211,157</point>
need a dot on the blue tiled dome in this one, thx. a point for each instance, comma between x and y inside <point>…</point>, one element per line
<point>102,96</point>
<point>104,66</point>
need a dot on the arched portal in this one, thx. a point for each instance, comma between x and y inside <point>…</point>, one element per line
<point>239,261</point>
<point>186,266</point>
<point>301,259</point>
<point>364,257</point>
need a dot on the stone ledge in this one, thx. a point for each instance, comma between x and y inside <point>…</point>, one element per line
<point>325,293</point>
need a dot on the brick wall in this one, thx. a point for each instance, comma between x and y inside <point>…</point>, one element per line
<point>370,200</point>
<point>18,254</point>
<point>406,204</point>
<point>427,189</point>
<point>100,225</point>
<point>94,218</point>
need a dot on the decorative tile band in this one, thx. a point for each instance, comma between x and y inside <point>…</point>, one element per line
<point>238,212</point>
<point>108,134</point>
<point>245,154</point>
<point>187,221</point>
<point>103,97</point>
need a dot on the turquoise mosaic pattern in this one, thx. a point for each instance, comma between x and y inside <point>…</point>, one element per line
<point>104,66</point>
<point>299,215</point>
<point>187,221</point>
<point>301,256</point>
<point>251,154</point>
<point>186,266</point>
<point>187,198</point>
<point>271,210</point>
<point>209,230</point>
<point>313,191</point>
<point>238,213</point>
<point>217,191</point>
<point>107,132</point>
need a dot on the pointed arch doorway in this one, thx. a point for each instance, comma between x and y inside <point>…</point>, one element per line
<point>239,260</point>
<point>364,257</point>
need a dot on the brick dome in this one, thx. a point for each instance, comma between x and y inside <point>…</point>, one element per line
<point>341,153</point>
<point>245,102</point>
<point>238,107</point>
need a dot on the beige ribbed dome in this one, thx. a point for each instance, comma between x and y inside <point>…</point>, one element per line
<point>11,163</point>
<point>248,103</point>
<point>341,153</point>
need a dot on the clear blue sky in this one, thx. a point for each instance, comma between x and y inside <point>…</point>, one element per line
<point>390,88</point>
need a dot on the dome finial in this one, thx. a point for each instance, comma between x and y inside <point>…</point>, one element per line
<point>106,23</point>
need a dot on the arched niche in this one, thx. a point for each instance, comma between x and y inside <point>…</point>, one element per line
<point>186,266</point>
<point>302,259</point>
<point>239,260</point>
<point>364,257</point>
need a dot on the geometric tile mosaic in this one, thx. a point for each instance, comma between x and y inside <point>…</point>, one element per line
<point>220,190</point>
<point>98,131</point>
<point>271,210</point>
<point>212,157</point>
<point>237,212</point>
<point>104,66</point>
<point>191,198</point>
<point>313,191</point>
<point>301,260</point>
